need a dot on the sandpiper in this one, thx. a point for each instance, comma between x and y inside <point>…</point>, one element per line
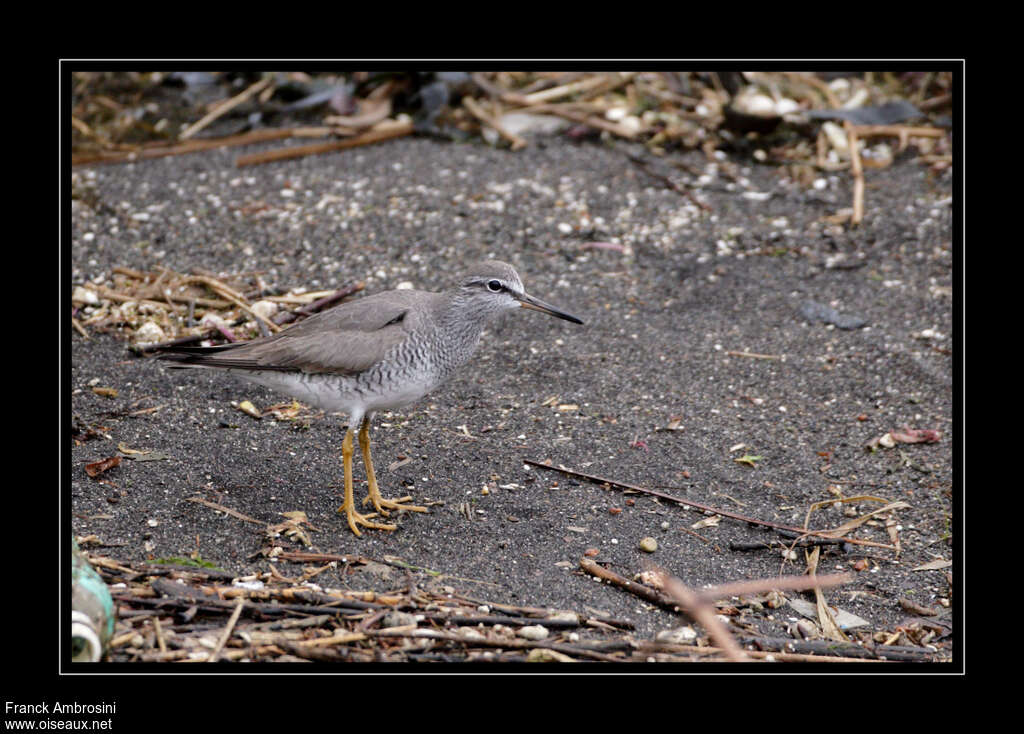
<point>382,352</point>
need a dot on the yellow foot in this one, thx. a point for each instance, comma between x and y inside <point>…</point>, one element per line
<point>354,519</point>
<point>382,505</point>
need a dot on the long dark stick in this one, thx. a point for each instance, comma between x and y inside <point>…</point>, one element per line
<point>698,505</point>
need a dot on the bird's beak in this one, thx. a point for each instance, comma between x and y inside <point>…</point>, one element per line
<point>528,301</point>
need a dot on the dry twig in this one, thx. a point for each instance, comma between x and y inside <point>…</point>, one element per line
<point>227,632</point>
<point>858,174</point>
<point>802,532</point>
<point>224,107</point>
<point>477,111</point>
<point>385,130</point>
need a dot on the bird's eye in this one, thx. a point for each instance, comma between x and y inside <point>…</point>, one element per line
<point>494,286</point>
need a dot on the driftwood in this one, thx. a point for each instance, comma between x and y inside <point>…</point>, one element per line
<point>204,619</point>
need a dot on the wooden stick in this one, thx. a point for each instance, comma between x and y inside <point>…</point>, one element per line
<point>340,637</point>
<point>376,134</point>
<point>224,291</point>
<point>121,298</point>
<point>79,328</point>
<point>858,174</point>
<point>329,300</point>
<point>643,591</point>
<point>753,355</point>
<point>159,634</point>
<point>757,586</point>
<point>224,107</point>
<point>227,632</point>
<point>864,651</point>
<point>682,599</point>
<point>304,557</point>
<point>819,84</point>
<point>162,149</point>
<point>802,532</point>
<point>899,131</point>
<point>225,510</point>
<point>477,111</point>
<point>546,95</point>
<point>703,613</point>
<point>510,643</point>
<point>592,120</point>
<point>648,648</point>
<point>583,85</point>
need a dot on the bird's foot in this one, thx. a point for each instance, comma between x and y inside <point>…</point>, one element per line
<point>354,519</point>
<point>382,505</point>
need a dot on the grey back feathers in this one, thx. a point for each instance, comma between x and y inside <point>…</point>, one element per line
<point>352,337</point>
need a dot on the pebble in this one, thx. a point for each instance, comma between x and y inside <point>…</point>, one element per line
<point>533,632</point>
<point>149,333</point>
<point>564,617</point>
<point>398,619</point>
<point>266,309</point>
<point>648,545</point>
<point>814,311</point>
<point>85,295</point>
<point>678,636</point>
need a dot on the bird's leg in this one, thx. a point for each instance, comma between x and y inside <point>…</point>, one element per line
<point>349,506</point>
<point>371,478</point>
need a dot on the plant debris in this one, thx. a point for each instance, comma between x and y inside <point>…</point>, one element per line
<point>163,308</point>
<point>96,468</point>
<point>802,122</point>
<point>191,613</point>
<point>905,435</point>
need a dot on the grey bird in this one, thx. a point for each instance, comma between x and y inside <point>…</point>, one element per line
<point>381,352</point>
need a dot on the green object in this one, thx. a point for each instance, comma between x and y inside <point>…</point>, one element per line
<point>92,610</point>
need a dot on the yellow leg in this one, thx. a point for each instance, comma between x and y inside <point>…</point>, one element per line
<point>349,506</point>
<point>371,478</point>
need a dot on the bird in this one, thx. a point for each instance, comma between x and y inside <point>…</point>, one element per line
<point>382,352</point>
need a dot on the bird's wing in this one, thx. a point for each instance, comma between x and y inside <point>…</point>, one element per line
<point>346,339</point>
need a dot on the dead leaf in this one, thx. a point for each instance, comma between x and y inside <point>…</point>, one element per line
<point>141,455</point>
<point>291,527</point>
<point>845,620</point>
<point>857,521</point>
<point>918,609</point>
<point>674,424</point>
<point>826,620</point>
<point>285,411</point>
<point>107,392</point>
<point>905,435</point>
<point>707,522</point>
<point>98,467</point>
<point>916,435</point>
<point>937,564</point>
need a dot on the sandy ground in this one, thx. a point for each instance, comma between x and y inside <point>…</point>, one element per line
<point>657,389</point>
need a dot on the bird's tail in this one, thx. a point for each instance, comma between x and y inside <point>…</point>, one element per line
<point>182,357</point>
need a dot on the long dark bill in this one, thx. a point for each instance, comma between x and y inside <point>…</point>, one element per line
<point>528,301</point>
